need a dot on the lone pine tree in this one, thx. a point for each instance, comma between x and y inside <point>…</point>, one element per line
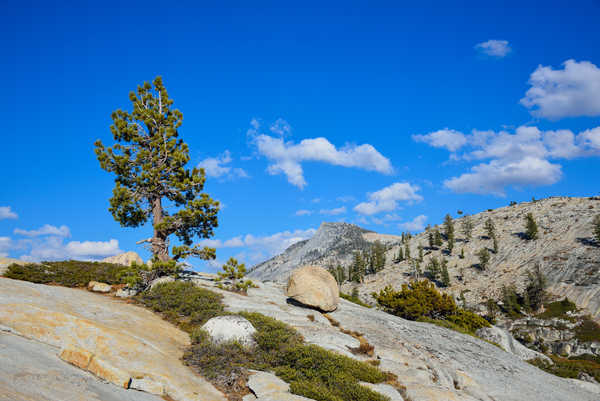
<point>151,180</point>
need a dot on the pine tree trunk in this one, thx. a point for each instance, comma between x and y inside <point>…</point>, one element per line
<point>159,240</point>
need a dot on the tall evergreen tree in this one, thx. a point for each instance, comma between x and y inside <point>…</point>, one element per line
<point>437,238</point>
<point>531,228</point>
<point>406,252</point>
<point>535,291</point>
<point>358,267</point>
<point>149,162</point>
<point>445,276</point>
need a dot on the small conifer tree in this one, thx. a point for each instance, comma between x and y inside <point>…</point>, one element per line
<point>531,228</point>
<point>407,252</point>
<point>490,228</point>
<point>484,258</point>
<point>437,238</point>
<point>462,253</point>
<point>420,253</point>
<point>445,276</point>
<point>235,272</point>
<point>467,228</point>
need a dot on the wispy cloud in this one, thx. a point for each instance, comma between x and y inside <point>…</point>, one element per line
<point>303,212</point>
<point>46,229</point>
<point>218,167</point>
<point>416,224</point>
<point>571,91</point>
<point>445,138</point>
<point>494,48</point>
<point>333,212</point>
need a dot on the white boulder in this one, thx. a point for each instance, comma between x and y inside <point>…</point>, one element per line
<point>97,286</point>
<point>230,328</point>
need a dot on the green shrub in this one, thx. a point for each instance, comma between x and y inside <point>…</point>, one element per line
<point>311,370</point>
<point>421,301</point>
<point>183,303</point>
<point>235,273</point>
<point>569,368</point>
<point>74,273</point>
<point>588,331</point>
<point>354,299</point>
<point>558,309</point>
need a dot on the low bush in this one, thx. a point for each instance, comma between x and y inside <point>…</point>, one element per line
<point>558,309</point>
<point>354,299</point>
<point>74,273</point>
<point>183,303</point>
<point>569,368</point>
<point>422,301</point>
<point>311,370</point>
<point>588,331</point>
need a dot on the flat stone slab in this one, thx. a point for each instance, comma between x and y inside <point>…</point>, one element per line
<point>264,383</point>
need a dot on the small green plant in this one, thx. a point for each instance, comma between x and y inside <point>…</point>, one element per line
<point>449,232</point>
<point>531,228</point>
<point>462,253</point>
<point>484,258</point>
<point>235,273</point>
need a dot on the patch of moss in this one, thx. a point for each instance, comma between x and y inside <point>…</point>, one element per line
<point>355,300</point>
<point>74,273</point>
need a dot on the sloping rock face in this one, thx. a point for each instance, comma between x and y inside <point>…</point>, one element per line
<point>432,362</point>
<point>333,242</point>
<point>30,371</point>
<point>125,259</point>
<point>109,338</point>
<point>567,254</point>
<point>503,338</point>
<point>315,287</point>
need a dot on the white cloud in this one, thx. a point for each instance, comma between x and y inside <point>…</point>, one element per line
<point>333,212</point>
<point>417,224</point>
<point>520,159</point>
<point>303,212</point>
<point>445,138</point>
<point>386,199</point>
<point>494,48</point>
<point>495,176</point>
<point>217,167</point>
<point>46,229</point>
<point>7,213</point>
<point>93,248</point>
<point>54,248</point>
<point>287,157</point>
<point>590,140</point>
<point>571,91</point>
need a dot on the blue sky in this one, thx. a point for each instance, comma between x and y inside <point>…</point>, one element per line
<point>372,113</point>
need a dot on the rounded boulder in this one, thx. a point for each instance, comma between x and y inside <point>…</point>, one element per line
<point>230,328</point>
<point>315,287</point>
